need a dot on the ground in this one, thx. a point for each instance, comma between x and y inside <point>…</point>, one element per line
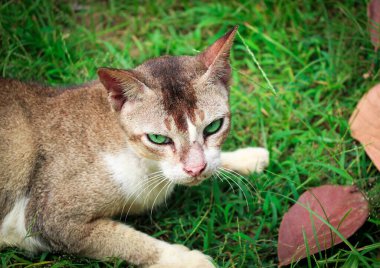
<point>299,68</point>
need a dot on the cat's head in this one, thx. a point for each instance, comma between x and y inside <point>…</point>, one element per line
<point>175,110</point>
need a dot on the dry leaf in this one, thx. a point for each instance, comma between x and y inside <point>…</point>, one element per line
<point>365,124</point>
<point>345,207</point>
<point>373,12</point>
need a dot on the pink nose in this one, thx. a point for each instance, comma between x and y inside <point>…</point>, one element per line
<point>195,171</point>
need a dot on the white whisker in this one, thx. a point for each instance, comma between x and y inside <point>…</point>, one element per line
<point>241,189</point>
<point>239,176</point>
<point>217,173</point>
<point>140,189</point>
<point>166,185</point>
<point>151,183</point>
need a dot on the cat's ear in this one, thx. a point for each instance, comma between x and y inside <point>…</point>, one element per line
<point>217,57</point>
<point>121,85</point>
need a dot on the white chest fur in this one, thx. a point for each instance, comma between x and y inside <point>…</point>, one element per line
<point>140,181</point>
<point>13,231</point>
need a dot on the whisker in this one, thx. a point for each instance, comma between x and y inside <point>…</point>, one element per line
<point>140,189</point>
<point>233,176</point>
<point>147,180</point>
<point>155,173</point>
<point>154,201</point>
<point>131,194</point>
<point>232,172</point>
<point>151,190</point>
<point>241,180</point>
<point>241,189</point>
<point>217,173</point>
<point>156,182</point>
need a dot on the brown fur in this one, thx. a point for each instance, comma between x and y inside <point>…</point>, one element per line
<point>178,95</point>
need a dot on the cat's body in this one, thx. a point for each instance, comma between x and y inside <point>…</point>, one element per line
<point>68,162</point>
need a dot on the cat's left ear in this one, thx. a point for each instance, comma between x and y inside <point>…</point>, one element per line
<point>217,57</point>
<point>121,85</point>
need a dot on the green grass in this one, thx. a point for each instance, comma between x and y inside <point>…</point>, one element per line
<point>314,53</point>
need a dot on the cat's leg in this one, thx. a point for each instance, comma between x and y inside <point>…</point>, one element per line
<point>246,160</point>
<point>106,238</point>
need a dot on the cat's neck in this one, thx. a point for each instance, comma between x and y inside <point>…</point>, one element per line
<point>140,181</point>
<point>83,116</point>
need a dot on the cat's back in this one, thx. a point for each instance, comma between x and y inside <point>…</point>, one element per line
<point>16,91</point>
<point>18,150</point>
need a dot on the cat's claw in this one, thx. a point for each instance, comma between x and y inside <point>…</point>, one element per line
<point>178,256</point>
<point>246,160</point>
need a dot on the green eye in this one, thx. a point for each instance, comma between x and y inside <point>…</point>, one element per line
<point>159,139</point>
<point>213,127</point>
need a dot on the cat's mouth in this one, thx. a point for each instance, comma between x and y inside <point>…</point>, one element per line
<point>193,181</point>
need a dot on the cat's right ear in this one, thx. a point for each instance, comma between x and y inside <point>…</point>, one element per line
<point>121,85</point>
<point>217,57</point>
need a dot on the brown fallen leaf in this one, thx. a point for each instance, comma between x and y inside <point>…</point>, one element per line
<point>373,12</point>
<point>344,207</point>
<point>365,124</point>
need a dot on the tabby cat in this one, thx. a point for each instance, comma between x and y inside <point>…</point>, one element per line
<point>72,159</point>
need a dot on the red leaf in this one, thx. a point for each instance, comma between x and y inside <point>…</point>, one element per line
<point>346,209</point>
<point>365,124</point>
<point>373,12</point>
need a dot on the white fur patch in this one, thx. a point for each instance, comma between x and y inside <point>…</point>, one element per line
<point>212,156</point>
<point>142,190</point>
<point>13,231</point>
<point>126,169</point>
<point>192,131</point>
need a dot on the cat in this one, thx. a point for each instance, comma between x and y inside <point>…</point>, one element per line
<point>71,159</point>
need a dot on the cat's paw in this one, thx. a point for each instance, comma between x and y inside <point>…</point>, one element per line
<point>246,160</point>
<point>178,256</point>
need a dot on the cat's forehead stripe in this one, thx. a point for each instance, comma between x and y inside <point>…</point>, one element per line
<point>174,76</point>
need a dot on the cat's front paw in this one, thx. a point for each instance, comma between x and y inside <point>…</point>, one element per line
<point>178,256</point>
<point>246,160</point>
